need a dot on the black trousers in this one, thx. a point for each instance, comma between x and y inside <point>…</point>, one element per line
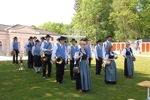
<point>90,62</point>
<point>71,69</point>
<point>78,81</point>
<point>15,57</point>
<point>37,61</point>
<point>60,72</point>
<point>45,63</point>
<point>99,66</point>
<point>30,60</point>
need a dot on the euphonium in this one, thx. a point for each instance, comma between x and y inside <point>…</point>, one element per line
<point>59,60</point>
<point>43,57</point>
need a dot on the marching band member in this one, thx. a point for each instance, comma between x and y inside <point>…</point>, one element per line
<point>128,63</point>
<point>99,56</point>
<point>30,56</point>
<point>107,44</point>
<point>26,46</point>
<point>110,68</point>
<point>47,48</point>
<point>67,51</point>
<point>88,49</point>
<point>60,52</point>
<point>37,58</point>
<point>42,41</point>
<point>34,39</point>
<point>74,48</point>
<point>16,49</point>
<point>83,81</point>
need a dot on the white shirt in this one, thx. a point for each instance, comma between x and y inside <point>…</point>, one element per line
<point>107,55</point>
<point>69,51</point>
<point>33,48</point>
<point>55,47</point>
<point>26,47</point>
<point>95,50</point>
<point>43,44</point>
<point>124,52</point>
<point>104,47</point>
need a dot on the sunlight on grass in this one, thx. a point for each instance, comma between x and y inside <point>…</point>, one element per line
<point>6,83</point>
<point>28,85</point>
<point>47,95</point>
<point>35,87</point>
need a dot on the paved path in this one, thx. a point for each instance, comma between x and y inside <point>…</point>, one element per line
<point>142,55</point>
<point>8,58</point>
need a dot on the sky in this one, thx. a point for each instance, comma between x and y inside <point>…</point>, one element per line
<point>35,12</point>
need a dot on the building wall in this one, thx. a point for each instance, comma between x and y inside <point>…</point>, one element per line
<point>23,40</point>
<point>4,39</point>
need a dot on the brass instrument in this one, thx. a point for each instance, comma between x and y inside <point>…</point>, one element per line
<point>106,62</point>
<point>21,65</point>
<point>76,69</point>
<point>58,60</point>
<point>43,57</point>
<point>13,53</point>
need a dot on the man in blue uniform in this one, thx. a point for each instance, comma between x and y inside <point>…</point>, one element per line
<point>16,49</point>
<point>73,49</point>
<point>60,52</point>
<point>30,56</point>
<point>99,56</point>
<point>47,48</point>
<point>107,44</point>
<point>88,50</point>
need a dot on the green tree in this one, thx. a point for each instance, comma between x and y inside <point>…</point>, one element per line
<point>92,17</point>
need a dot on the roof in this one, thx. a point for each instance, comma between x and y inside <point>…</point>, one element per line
<point>4,27</point>
<point>25,30</point>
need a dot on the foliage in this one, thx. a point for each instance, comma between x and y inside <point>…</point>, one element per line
<point>123,19</point>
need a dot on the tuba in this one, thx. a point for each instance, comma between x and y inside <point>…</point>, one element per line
<point>58,60</point>
<point>43,57</point>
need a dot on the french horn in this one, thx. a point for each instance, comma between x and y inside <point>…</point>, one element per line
<point>58,60</point>
<point>43,57</point>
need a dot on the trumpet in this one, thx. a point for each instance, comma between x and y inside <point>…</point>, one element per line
<point>43,57</point>
<point>58,60</point>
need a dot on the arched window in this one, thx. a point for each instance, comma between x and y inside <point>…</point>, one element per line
<point>1,45</point>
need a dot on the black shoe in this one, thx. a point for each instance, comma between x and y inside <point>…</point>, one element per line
<point>44,76</point>
<point>48,77</point>
<point>98,74</point>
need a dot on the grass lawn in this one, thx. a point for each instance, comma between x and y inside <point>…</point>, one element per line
<point>27,85</point>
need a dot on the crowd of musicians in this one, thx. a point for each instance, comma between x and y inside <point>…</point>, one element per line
<point>43,53</point>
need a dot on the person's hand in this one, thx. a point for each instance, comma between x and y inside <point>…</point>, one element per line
<point>53,62</point>
<point>65,62</point>
<point>81,54</point>
<point>50,50</point>
<point>97,59</point>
